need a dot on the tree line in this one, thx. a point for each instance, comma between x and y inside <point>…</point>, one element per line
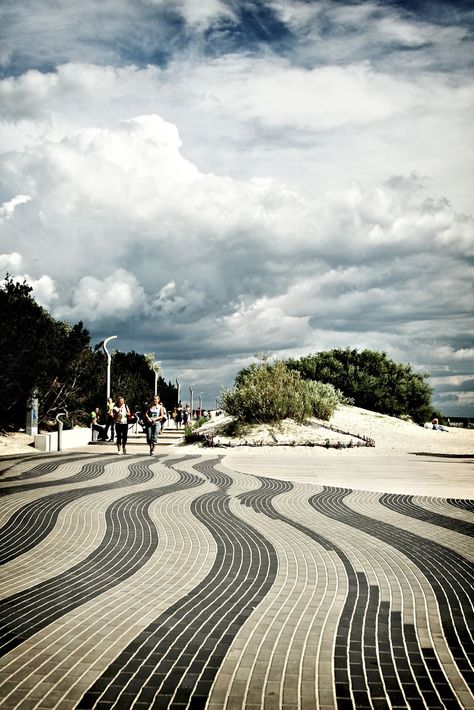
<point>56,361</point>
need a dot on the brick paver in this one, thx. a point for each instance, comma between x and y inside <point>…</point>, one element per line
<point>179,581</point>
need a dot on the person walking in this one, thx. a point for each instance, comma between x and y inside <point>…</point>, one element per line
<point>109,419</point>
<point>155,416</point>
<point>95,426</point>
<point>179,415</point>
<point>121,416</point>
<point>187,414</point>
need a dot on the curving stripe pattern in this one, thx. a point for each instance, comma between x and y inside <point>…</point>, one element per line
<point>450,578</point>
<point>179,654</point>
<point>130,539</point>
<point>42,468</point>
<point>202,587</point>
<point>34,521</point>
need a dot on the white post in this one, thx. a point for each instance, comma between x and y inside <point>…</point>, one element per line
<point>109,362</point>
<point>192,401</point>
<point>156,368</point>
<point>60,429</point>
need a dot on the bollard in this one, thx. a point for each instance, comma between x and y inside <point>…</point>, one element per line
<point>60,428</point>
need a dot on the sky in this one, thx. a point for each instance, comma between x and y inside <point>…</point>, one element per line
<point>211,179</point>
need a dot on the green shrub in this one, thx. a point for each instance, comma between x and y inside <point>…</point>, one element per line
<point>190,433</point>
<point>323,399</point>
<point>267,393</point>
<point>371,380</point>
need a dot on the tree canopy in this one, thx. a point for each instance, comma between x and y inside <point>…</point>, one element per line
<point>55,359</point>
<point>371,380</point>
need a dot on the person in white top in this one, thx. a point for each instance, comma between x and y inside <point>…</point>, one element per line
<point>121,416</point>
<point>155,416</point>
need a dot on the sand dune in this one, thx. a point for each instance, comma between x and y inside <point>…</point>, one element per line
<point>394,435</point>
<point>349,426</point>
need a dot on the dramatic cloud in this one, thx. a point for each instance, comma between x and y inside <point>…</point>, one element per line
<point>226,182</point>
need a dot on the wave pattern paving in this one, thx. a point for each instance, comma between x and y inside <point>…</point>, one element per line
<point>185,584</point>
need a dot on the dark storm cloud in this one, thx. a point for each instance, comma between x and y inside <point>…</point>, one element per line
<point>466,386</point>
<point>43,35</point>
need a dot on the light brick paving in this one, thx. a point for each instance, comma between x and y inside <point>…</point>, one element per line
<point>183,581</point>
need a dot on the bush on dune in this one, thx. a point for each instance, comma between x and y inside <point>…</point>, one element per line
<point>323,399</point>
<point>265,394</point>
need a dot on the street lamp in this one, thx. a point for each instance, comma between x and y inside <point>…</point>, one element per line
<point>179,389</point>
<point>192,401</point>
<point>200,403</point>
<point>156,368</point>
<point>109,361</point>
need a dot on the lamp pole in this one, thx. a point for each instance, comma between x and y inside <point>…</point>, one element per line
<point>156,368</point>
<point>192,401</point>
<point>109,361</point>
<point>200,403</point>
<point>179,389</point>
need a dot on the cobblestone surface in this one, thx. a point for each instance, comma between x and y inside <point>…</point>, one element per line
<point>176,581</point>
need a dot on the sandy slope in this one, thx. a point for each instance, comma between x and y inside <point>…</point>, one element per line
<point>394,435</point>
<point>16,443</point>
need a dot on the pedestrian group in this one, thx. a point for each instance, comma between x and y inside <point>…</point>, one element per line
<point>152,419</point>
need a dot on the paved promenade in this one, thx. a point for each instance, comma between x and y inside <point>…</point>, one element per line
<point>264,580</point>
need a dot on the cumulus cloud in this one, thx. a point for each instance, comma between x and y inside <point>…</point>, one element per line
<point>10,261</point>
<point>44,289</point>
<point>7,209</point>
<point>213,199</point>
<point>117,297</point>
<point>242,261</point>
<point>280,94</point>
<point>305,125</point>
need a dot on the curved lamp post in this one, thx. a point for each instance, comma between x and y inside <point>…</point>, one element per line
<point>156,368</point>
<point>109,361</point>
<point>60,428</point>
<point>192,402</point>
<point>179,389</point>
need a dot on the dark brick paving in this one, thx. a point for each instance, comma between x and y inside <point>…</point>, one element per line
<point>176,582</point>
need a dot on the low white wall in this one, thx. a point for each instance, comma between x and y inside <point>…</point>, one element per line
<point>70,439</point>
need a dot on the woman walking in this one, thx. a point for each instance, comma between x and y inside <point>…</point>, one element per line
<point>155,416</point>
<point>109,419</point>
<point>121,415</point>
